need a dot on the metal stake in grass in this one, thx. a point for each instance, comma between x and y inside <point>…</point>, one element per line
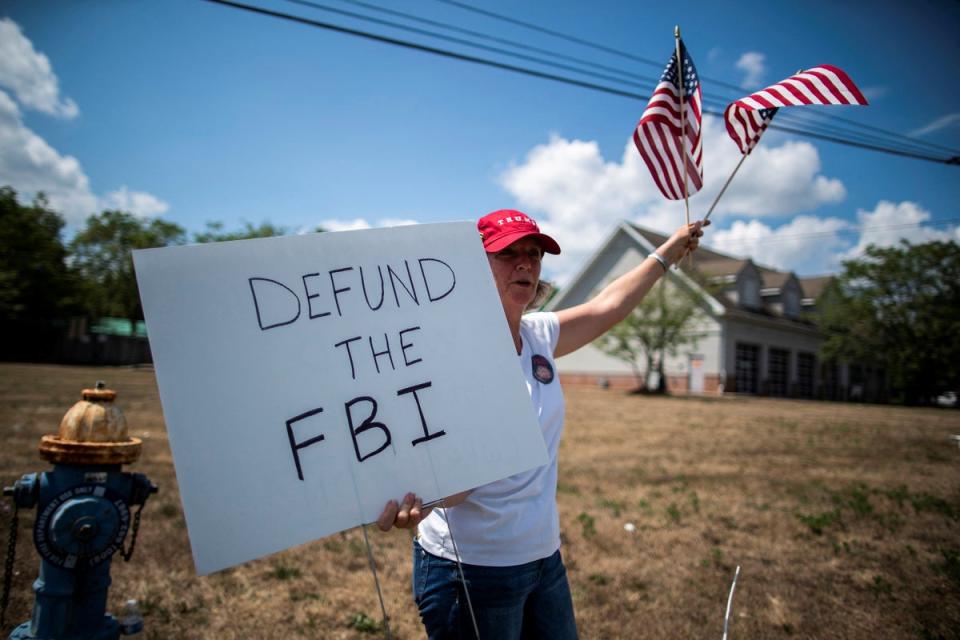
<point>726,618</point>
<point>376,580</point>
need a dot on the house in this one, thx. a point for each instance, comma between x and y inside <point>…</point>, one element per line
<point>757,333</point>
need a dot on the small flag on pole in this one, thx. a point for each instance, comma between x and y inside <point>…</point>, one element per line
<point>658,134</point>
<point>747,118</point>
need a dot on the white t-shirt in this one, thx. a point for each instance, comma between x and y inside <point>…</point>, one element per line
<point>515,520</point>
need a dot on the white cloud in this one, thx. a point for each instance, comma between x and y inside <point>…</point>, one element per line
<point>340,224</point>
<point>890,223</point>
<point>752,64</point>
<point>774,181</point>
<point>28,74</point>
<point>578,197</point>
<point>138,203</point>
<point>29,164</point>
<point>806,244</point>
<point>949,120</point>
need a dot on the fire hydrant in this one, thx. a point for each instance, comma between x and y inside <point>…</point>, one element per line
<point>83,516</point>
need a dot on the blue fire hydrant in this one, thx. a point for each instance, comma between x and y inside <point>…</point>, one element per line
<point>83,516</point>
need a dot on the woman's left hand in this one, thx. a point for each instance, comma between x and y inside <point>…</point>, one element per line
<point>684,240</point>
<point>405,515</point>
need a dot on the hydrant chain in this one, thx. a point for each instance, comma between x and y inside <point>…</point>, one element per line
<point>8,564</point>
<point>128,552</point>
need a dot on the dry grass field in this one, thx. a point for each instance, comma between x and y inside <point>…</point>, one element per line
<point>845,520</point>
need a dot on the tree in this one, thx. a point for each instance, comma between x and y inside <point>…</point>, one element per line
<point>658,327</point>
<point>36,287</point>
<point>101,253</point>
<point>898,309</point>
<point>215,233</point>
<point>35,282</point>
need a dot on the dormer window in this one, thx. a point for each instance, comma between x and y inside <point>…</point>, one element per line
<point>791,302</point>
<point>748,289</point>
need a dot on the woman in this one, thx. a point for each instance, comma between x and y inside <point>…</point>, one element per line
<point>507,533</point>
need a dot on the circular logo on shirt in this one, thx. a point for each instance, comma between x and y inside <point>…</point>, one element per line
<point>542,369</point>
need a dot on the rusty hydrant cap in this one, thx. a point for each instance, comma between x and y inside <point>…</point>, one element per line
<point>94,418</point>
<point>93,431</point>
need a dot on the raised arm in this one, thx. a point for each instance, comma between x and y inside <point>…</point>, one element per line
<point>585,322</point>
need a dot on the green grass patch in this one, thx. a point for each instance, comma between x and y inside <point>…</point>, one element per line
<point>588,524</point>
<point>673,513</point>
<point>923,501</point>
<point>284,572</point>
<point>569,489</point>
<point>819,522</point>
<point>363,623</point>
<point>616,506</point>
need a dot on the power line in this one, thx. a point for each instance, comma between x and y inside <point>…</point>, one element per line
<point>624,54</point>
<point>550,76</point>
<point>810,121</point>
<point>491,38</point>
<point>440,36</point>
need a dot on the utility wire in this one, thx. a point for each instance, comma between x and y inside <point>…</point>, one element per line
<point>624,54</point>
<point>839,131</point>
<point>468,43</point>
<point>549,76</point>
<point>491,38</point>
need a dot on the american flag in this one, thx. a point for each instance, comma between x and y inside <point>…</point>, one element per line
<point>747,118</point>
<point>658,134</point>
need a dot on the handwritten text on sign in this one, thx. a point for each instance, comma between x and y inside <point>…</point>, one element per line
<point>307,380</point>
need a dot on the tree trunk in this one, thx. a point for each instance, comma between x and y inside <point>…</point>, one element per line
<point>662,383</point>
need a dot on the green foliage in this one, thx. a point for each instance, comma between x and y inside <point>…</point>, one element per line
<point>215,233</point>
<point>658,327</point>
<point>35,282</point>
<point>102,255</point>
<point>898,309</point>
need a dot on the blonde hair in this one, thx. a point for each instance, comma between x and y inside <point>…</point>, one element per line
<point>544,289</point>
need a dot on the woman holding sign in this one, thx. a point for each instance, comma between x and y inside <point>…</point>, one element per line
<point>507,534</point>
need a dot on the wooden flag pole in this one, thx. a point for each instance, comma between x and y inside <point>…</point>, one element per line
<point>726,184</point>
<point>683,123</point>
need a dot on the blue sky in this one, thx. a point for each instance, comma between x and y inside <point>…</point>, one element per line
<point>197,112</point>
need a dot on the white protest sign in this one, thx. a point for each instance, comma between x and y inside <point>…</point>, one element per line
<point>306,380</point>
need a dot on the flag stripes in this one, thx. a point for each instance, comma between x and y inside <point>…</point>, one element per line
<point>659,138</point>
<point>747,118</point>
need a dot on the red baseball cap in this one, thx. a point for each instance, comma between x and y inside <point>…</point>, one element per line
<point>502,228</point>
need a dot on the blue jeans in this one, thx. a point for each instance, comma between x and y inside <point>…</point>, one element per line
<point>525,601</point>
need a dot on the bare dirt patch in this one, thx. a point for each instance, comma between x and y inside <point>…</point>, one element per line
<point>845,520</point>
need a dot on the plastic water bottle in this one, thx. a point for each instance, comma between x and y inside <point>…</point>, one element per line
<point>131,621</point>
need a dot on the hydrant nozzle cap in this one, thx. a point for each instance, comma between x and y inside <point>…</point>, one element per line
<point>93,431</point>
